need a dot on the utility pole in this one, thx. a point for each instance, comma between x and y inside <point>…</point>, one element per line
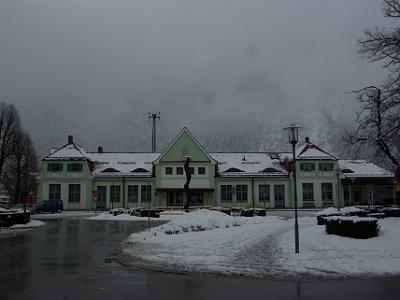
<point>154,116</point>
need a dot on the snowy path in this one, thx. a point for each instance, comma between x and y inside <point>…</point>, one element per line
<point>264,246</point>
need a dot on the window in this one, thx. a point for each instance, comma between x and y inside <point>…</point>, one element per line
<point>226,193</point>
<point>110,170</point>
<point>54,167</point>
<point>308,192</point>
<point>168,170</point>
<point>327,194</point>
<point>263,192</point>
<point>74,167</point>
<point>201,170</point>
<point>74,193</point>
<point>233,170</point>
<point>54,191</point>
<point>326,167</point>
<point>179,171</point>
<point>241,193</point>
<point>139,170</point>
<point>191,170</point>
<point>196,198</point>
<point>115,193</point>
<point>307,167</point>
<point>133,193</point>
<point>270,170</point>
<point>145,193</point>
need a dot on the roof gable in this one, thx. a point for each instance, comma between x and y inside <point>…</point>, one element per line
<point>311,151</point>
<point>182,146</point>
<point>68,151</point>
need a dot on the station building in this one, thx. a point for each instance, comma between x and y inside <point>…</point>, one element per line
<point>104,180</point>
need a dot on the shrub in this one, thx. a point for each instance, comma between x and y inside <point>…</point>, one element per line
<point>226,211</point>
<point>247,212</point>
<point>261,212</point>
<point>355,227</point>
<point>391,212</point>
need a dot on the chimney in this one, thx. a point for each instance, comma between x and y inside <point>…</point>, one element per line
<point>70,139</point>
<point>307,139</point>
<point>99,149</point>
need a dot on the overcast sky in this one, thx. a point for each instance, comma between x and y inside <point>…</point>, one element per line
<point>74,64</point>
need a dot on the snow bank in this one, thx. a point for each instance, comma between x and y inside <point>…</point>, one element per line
<point>200,220</point>
<point>30,224</point>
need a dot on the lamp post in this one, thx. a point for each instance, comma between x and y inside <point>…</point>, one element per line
<point>293,139</point>
<point>149,200</point>
<point>338,187</point>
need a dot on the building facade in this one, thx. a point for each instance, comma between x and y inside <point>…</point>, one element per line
<point>103,180</point>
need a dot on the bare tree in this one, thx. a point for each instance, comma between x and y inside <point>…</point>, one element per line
<point>378,123</point>
<point>9,125</point>
<point>20,168</point>
<point>379,118</point>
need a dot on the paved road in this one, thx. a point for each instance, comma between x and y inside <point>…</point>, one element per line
<point>74,259</point>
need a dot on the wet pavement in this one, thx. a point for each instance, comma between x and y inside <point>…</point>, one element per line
<point>75,259</point>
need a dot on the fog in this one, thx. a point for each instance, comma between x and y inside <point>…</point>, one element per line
<point>234,72</point>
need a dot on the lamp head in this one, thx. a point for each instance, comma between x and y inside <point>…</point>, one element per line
<point>293,133</point>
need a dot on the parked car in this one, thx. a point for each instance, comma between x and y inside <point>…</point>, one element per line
<point>50,206</point>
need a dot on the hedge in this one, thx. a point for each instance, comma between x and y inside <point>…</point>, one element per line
<point>355,227</point>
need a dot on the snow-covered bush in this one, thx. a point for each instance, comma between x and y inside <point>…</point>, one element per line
<point>345,211</point>
<point>200,220</point>
<point>355,227</point>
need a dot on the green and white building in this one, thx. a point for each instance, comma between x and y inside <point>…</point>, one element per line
<point>88,180</point>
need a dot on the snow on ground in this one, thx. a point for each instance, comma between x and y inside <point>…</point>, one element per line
<point>262,246</point>
<point>324,254</point>
<point>32,224</point>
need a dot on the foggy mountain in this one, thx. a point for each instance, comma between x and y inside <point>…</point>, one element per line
<point>234,72</point>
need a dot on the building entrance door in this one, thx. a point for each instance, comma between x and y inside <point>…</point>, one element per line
<point>174,199</point>
<point>101,202</point>
<point>279,193</point>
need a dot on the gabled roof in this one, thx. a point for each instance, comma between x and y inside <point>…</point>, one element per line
<point>195,141</point>
<point>68,151</point>
<point>311,151</point>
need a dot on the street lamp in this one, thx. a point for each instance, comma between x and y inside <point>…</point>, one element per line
<point>293,139</point>
<point>338,187</point>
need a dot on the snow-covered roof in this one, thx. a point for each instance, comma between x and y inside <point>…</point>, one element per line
<point>362,168</point>
<point>124,164</point>
<point>312,151</point>
<point>68,151</point>
<point>248,164</point>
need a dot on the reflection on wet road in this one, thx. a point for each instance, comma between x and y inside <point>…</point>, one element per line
<point>74,259</point>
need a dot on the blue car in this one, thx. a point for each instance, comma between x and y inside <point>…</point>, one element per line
<point>51,206</point>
